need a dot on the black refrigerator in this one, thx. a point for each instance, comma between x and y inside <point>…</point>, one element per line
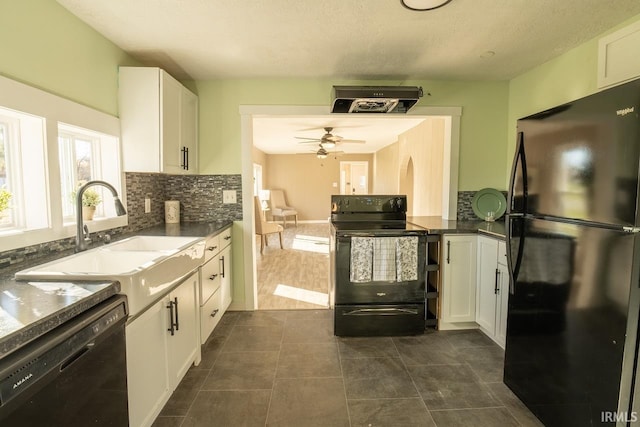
<point>573,250</point>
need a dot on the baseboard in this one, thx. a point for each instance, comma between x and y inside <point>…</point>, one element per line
<point>313,221</point>
<point>446,326</point>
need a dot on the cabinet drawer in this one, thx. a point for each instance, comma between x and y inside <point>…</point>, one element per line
<point>210,315</point>
<point>502,253</point>
<point>209,279</point>
<point>212,247</point>
<point>225,238</point>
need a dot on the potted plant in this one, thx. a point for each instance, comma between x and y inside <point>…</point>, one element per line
<point>90,199</point>
<point>5,197</point>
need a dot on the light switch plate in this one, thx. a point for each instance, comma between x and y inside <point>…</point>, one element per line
<point>229,196</point>
<point>147,205</point>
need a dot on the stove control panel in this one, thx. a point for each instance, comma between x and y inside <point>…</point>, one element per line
<point>369,203</point>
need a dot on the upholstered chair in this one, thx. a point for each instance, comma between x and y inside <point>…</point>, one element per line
<point>264,228</point>
<point>279,208</point>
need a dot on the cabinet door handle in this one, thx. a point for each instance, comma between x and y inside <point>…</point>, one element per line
<point>186,157</point>
<point>183,151</point>
<point>214,312</point>
<point>222,264</point>
<point>496,288</point>
<point>227,237</point>
<point>448,251</point>
<point>171,324</point>
<point>175,302</point>
<point>212,248</point>
<point>213,277</point>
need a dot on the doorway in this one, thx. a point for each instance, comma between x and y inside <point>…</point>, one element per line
<point>245,297</point>
<point>354,178</point>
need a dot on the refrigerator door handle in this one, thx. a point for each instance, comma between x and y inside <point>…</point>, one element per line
<point>513,267</point>
<point>518,160</point>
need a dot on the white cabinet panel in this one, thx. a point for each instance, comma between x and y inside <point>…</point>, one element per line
<point>225,274</point>
<point>493,289</point>
<point>618,58</point>
<point>156,359</point>
<point>487,283</point>
<point>147,377</point>
<point>183,345</point>
<point>458,303</point>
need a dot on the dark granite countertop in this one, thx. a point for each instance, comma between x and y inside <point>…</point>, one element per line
<point>189,229</point>
<point>438,225</point>
<point>29,309</point>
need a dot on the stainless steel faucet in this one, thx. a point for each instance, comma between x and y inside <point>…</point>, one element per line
<point>82,231</point>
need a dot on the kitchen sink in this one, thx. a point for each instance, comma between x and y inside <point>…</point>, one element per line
<point>144,275</point>
<point>152,243</point>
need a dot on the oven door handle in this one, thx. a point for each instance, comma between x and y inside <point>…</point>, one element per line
<point>380,311</point>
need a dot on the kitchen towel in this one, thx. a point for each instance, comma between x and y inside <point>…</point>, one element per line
<point>361,259</point>
<point>384,259</point>
<point>407,258</point>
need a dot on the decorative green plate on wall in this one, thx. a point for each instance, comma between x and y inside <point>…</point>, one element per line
<point>489,204</point>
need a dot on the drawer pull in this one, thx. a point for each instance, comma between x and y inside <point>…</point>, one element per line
<point>213,277</point>
<point>213,314</point>
<point>212,248</point>
<point>227,237</point>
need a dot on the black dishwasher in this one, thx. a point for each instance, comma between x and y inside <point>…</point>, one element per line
<point>75,375</point>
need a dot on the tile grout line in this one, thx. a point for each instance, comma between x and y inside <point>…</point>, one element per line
<point>205,378</point>
<point>344,385</point>
<point>413,382</point>
<point>275,372</point>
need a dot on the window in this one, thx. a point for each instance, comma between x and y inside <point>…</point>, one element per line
<point>82,156</point>
<point>37,127</point>
<point>6,210</point>
<point>23,200</point>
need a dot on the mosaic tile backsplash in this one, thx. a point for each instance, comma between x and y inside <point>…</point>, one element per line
<point>465,210</point>
<point>200,199</point>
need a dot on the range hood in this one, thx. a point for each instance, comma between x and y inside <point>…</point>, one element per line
<point>374,99</point>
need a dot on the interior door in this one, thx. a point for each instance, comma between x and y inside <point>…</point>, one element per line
<point>354,177</point>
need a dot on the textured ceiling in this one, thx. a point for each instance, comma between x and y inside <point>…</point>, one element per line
<point>207,39</point>
<point>277,135</point>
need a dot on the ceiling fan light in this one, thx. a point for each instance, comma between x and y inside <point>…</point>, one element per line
<point>423,4</point>
<point>322,153</point>
<point>328,144</point>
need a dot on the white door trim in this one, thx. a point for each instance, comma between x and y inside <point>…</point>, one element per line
<point>249,112</point>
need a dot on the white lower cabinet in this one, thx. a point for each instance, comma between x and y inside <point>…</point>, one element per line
<point>216,285</point>
<point>225,277</point>
<point>162,343</point>
<point>458,300</point>
<point>492,289</point>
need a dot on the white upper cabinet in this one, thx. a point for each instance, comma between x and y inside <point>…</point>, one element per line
<point>618,58</point>
<point>159,121</point>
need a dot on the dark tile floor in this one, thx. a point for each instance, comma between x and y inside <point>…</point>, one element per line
<point>285,368</point>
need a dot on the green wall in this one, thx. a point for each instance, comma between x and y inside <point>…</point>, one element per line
<point>483,124</point>
<point>570,76</point>
<point>45,46</point>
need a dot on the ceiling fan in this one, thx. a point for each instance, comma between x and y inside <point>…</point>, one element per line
<point>329,140</point>
<point>322,153</point>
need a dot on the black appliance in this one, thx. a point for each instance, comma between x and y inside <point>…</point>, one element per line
<point>75,375</point>
<point>384,303</point>
<point>574,258</point>
<point>374,99</point>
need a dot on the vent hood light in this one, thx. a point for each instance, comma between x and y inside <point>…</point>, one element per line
<point>374,99</point>
<point>421,5</point>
